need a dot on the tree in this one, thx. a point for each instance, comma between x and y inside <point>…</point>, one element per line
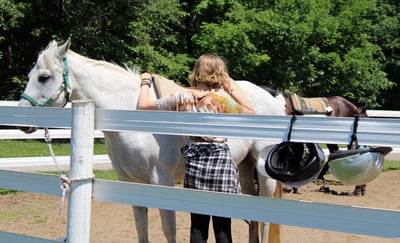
<point>11,16</point>
<point>310,47</point>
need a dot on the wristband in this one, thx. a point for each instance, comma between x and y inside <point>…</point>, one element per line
<point>146,81</point>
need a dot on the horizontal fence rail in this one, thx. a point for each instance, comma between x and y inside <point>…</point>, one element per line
<point>39,134</point>
<point>6,237</point>
<point>350,219</point>
<point>336,130</point>
<point>370,113</point>
<point>47,161</point>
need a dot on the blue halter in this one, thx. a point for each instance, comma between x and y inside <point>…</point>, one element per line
<point>64,87</point>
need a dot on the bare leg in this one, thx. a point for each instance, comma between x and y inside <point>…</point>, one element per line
<point>267,189</point>
<point>246,176</point>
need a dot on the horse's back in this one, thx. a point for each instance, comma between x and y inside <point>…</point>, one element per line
<point>342,107</point>
<point>262,101</point>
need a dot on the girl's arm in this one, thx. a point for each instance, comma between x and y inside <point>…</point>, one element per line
<point>237,96</point>
<point>144,101</point>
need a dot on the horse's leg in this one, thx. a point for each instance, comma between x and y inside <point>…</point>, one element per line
<point>141,222</point>
<point>168,217</point>
<point>274,235</point>
<point>246,176</point>
<point>139,213</point>
<point>270,188</point>
<point>168,221</point>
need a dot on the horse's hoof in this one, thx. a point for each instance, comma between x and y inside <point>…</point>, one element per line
<point>355,193</point>
<point>297,191</point>
<point>286,189</point>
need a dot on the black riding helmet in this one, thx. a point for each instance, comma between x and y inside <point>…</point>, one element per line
<point>292,163</point>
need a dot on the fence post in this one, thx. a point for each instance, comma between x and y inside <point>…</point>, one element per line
<point>81,172</point>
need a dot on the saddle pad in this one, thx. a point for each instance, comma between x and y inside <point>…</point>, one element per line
<point>165,87</point>
<point>310,105</point>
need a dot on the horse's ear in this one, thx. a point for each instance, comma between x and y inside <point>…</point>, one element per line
<point>64,48</point>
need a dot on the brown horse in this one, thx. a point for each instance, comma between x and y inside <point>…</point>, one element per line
<point>335,106</point>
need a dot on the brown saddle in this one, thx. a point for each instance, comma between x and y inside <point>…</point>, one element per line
<point>307,106</point>
<point>164,87</point>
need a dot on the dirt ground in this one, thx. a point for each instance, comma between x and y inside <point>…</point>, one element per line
<point>38,215</point>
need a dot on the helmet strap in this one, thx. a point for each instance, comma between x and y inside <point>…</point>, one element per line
<point>360,112</point>
<point>292,121</point>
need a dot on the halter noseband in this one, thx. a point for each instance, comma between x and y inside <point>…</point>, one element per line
<point>64,87</point>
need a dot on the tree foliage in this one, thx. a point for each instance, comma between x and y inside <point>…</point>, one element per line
<point>312,47</point>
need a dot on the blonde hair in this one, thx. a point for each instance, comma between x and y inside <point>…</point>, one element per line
<point>210,70</point>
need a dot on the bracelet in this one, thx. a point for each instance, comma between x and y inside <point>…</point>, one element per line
<point>230,92</point>
<point>148,79</point>
<point>145,82</point>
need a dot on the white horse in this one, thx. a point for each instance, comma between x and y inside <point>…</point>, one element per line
<point>60,75</point>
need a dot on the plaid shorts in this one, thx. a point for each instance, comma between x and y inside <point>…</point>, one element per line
<point>209,166</point>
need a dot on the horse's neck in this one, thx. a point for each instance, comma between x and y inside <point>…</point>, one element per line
<point>110,86</point>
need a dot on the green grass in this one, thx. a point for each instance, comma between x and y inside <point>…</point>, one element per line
<point>37,147</point>
<point>6,191</point>
<point>33,213</point>
<point>99,174</point>
<point>391,165</point>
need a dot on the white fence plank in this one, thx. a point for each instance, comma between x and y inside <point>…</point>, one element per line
<point>349,219</point>
<point>15,103</point>
<point>383,113</point>
<point>336,130</point>
<point>6,237</point>
<point>26,162</point>
<point>39,134</point>
<point>35,116</point>
<point>30,182</point>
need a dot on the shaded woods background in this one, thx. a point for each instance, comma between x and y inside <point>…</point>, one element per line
<point>311,47</point>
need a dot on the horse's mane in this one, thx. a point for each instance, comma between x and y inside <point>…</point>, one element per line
<point>274,91</point>
<point>106,64</point>
<point>47,57</point>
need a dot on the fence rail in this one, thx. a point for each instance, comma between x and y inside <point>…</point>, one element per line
<point>336,130</point>
<point>350,219</point>
<point>39,134</point>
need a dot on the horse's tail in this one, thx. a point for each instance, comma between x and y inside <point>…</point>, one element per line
<point>274,235</point>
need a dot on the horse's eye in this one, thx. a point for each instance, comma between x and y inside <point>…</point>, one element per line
<point>43,78</point>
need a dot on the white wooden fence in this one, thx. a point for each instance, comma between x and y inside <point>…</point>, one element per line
<point>349,219</point>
